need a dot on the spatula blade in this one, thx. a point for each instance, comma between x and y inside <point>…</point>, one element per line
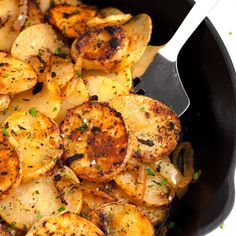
<point>162,82</point>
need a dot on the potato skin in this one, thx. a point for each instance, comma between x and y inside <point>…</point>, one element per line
<point>96,142</point>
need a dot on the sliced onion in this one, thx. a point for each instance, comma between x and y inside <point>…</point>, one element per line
<point>23,12</point>
<point>171,171</point>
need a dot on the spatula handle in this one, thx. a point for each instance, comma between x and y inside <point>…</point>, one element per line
<point>197,14</point>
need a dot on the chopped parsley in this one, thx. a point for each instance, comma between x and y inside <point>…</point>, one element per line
<point>83,127</point>
<point>222,225</point>
<point>149,171</point>
<point>12,225</point>
<point>171,225</point>
<point>196,175</point>
<point>33,111</point>
<point>57,51</point>
<point>5,132</point>
<point>61,209</point>
<point>78,73</point>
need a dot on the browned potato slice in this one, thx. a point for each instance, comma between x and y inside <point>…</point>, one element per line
<point>156,215</point>
<point>48,195</point>
<point>37,140</point>
<point>8,14</point>
<point>112,19</point>
<point>16,76</point>
<point>35,15</point>
<point>142,64</point>
<point>4,231</point>
<point>33,39</point>
<point>45,97</point>
<point>64,224</point>
<point>104,88</point>
<point>121,220</point>
<point>4,102</point>
<point>94,134</point>
<point>158,191</point>
<point>75,94</point>
<point>62,70</point>
<point>156,127</point>
<point>71,20</point>
<point>102,48</point>
<point>10,166</point>
<point>122,76</point>
<point>138,30</point>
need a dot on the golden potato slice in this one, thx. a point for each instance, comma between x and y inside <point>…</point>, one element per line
<point>121,220</point>
<point>156,127</point>
<point>10,166</point>
<point>35,15</point>
<point>102,48</point>
<point>8,14</point>
<point>104,88</point>
<point>39,198</point>
<point>122,76</point>
<point>4,102</point>
<point>36,139</point>
<point>96,142</point>
<point>138,30</point>
<point>45,97</point>
<point>112,19</point>
<point>133,180</point>
<point>15,75</point>
<point>158,191</point>
<point>34,38</point>
<point>143,63</point>
<point>71,20</point>
<point>67,223</point>
<point>74,94</point>
<point>62,70</point>
<point>156,215</point>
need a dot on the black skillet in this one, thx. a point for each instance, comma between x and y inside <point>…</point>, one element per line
<point>210,122</point>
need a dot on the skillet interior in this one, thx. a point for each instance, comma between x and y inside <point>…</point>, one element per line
<point>209,124</point>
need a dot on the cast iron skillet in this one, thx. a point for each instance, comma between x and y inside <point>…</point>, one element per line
<point>210,122</point>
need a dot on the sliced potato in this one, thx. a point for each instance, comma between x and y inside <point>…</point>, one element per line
<point>74,94</point>
<point>10,166</point>
<point>156,215</point>
<point>64,224</point>
<point>71,20</point>
<point>35,15</point>
<point>112,19</point>
<point>157,139</point>
<point>34,38</point>
<point>158,191</point>
<point>122,76</point>
<point>4,102</point>
<point>45,97</point>
<point>102,48</point>
<point>96,142</point>
<point>62,70</point>
<point>39,198</point>
<point>143,63</point>
<point>110,11</point>
<point>121,220</point>
<point>133,180</point>
<point>104,88</point>
<point>36,139</point>
<point>15,75</point>
<point>8,14</point>
<point>138,30</point>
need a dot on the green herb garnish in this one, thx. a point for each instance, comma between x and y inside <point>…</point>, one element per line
<point>149,171</point>
<point>33,111</point>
